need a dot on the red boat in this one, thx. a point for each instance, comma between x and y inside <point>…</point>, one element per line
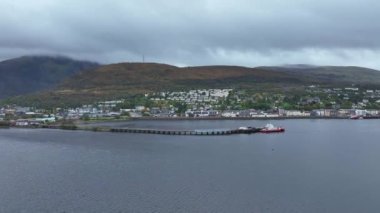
<point>269,128</point>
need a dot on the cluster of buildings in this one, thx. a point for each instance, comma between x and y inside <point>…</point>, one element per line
<point>199,104</point>
<point>26,116</point>
<point>192,96</point>
<point>281,113</point>
<point>359,98</point>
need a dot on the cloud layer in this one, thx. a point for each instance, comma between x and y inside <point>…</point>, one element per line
<point>197,32</point>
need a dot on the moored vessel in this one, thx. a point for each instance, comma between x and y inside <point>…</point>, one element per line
<point>356,117</point>
<point>270,128</point>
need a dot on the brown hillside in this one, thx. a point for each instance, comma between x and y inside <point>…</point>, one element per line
<point>124,79</point>
<point>151,76</point>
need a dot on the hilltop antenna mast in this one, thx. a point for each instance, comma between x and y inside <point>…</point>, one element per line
<point>143,58</point>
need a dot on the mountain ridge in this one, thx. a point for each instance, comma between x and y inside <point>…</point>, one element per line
<point>119,80</point>
<point>28,74</point>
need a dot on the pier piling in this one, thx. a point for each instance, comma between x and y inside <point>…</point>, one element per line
<point>183,132</point>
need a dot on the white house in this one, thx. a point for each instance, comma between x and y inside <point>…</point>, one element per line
<point>230,114</point>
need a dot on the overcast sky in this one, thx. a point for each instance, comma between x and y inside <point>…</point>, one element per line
<point>195,32</point>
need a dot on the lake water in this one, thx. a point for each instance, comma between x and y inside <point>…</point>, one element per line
<point>315,166</point>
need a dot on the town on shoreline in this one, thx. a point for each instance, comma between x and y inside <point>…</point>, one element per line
<point>315,102</point>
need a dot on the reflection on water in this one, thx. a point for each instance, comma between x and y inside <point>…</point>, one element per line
<point>316,166</point>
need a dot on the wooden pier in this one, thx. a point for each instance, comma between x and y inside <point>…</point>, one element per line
<point>185,132</point>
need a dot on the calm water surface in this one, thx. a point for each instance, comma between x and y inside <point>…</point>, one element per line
<point>316,166</point>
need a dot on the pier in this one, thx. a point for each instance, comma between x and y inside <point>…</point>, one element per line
<point>186,132</point>
<point>200,132</point>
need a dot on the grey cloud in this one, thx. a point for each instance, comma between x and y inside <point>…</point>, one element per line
<point>243,32</point>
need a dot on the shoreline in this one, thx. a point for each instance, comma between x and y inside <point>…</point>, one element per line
<point>80,122</point>
<point>233,118</point>
<point>86,125</point>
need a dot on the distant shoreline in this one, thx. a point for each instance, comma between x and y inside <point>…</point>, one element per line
<point>223,118</point>
<point>234,118</point>
<point>84,125</point>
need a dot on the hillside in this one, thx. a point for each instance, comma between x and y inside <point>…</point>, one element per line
<point>150,76</point>
<point>29,74</point>
<point>333,74</point>
<point>135,77</point>
<point>120,80</point>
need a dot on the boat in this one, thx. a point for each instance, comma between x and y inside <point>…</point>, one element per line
<point>356,117</point>
<point>244,128</point>
<point>270,128</point>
